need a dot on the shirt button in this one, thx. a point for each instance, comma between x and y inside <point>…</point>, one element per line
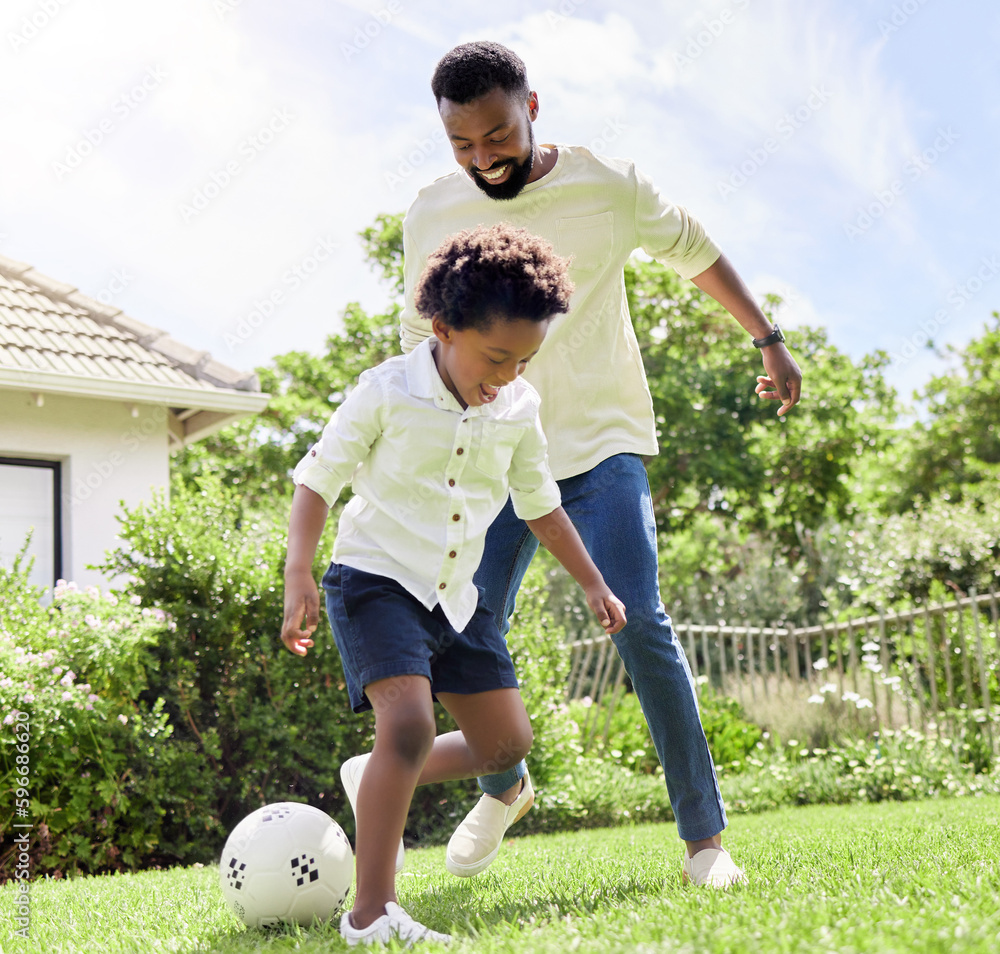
<point>453,554</point>
<point>456,516</point>
<point>460,451</point>
<point>451,483</point>
<point>442,586</point>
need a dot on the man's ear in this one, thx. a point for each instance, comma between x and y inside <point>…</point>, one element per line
<point>532,105</point>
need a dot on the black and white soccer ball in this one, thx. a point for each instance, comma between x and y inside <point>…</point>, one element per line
<point>286,862</point>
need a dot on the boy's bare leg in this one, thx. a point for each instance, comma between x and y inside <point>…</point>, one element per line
<point>404,735</point>
<point>494,734</point>
<point>449,761</point>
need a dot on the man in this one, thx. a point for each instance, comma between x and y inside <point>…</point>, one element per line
<point>596,409</point>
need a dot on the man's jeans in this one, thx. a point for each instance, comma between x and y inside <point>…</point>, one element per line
<point>612,509</point>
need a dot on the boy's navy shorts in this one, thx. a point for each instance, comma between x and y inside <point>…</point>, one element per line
<point>382,630</point>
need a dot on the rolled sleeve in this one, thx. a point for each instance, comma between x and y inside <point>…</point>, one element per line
<point>533,490</point>
<point>670,234</point>
<point>330,464</point>
<point>412,328</point>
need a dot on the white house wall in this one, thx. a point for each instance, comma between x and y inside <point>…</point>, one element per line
<point>111,452</point>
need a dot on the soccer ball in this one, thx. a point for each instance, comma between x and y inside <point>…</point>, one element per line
<point>286,862</point>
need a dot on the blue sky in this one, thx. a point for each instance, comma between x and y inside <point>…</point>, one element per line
<point>205,165</point>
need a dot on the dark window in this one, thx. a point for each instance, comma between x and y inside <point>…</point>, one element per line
<point>30,495</point>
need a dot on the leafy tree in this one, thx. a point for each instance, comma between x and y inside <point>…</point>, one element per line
<point>956,443</point>
<point>722,449</point>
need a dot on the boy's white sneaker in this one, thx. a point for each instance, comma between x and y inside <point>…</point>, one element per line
<point>476,842</point>
<point>713,867</point>
<point>350,774</point>
<point>395,924</point>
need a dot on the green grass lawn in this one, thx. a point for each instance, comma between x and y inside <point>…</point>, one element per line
<point>916,876</point>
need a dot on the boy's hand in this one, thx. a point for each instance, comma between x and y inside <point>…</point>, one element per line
<point>301,600</point>
<point>608,609</point>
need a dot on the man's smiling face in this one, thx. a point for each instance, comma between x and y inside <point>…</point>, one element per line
<point>492,140</point>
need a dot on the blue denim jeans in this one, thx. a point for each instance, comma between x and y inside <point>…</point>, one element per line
<point>612,509</point>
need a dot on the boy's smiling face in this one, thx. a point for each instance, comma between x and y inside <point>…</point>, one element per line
<point>474,363</point>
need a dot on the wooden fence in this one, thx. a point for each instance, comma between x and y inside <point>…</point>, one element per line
<point>919,667</point>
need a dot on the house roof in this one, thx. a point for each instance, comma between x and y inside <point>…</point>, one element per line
<point>56,340</point>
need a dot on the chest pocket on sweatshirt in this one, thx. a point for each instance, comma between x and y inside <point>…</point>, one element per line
<point>496,448</point>
<point>587,239</point>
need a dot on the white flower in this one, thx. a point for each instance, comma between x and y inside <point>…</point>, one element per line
<point>91,620</point>
<point>67,680</point>
<point>67,696</point>
<point>850,697</point>
<point>865,704</point>
<point>123,719</point>
<point>135,600</point>
<point>816,699</point>
<point>828,687</point>
<point>869,647</point>
<point>821,664</point>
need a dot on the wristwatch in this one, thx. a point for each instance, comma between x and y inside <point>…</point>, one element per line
<point>773,338</point>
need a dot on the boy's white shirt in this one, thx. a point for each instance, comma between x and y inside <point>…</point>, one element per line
<point>400,437</point>
<point>589,372</point>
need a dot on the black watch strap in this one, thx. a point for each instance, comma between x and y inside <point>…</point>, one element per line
<point>773,338</point>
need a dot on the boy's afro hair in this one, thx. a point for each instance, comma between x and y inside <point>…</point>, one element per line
<point>475,69</point>
<point>493,272</point>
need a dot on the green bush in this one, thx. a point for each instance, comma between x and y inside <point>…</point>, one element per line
<point>730,736</point>
<point>272,726</point>
<point>275,726</point>
<point>892,766</point>
<point>103,792</point>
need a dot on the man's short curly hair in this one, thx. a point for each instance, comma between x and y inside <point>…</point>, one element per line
<point>492,273</point>
<point>475,69</point>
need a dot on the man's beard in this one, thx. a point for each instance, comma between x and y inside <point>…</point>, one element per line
<point>517,179</point>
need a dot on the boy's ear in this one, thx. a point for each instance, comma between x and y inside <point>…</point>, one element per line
<point>442,331</point>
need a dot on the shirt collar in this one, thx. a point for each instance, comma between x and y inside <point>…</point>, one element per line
<point>424,381</point>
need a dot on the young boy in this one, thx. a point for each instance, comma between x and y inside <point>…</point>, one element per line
<point>434,442</point>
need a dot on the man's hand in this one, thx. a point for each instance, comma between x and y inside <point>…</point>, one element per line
<point>608,609</point>
<point>783,381</point>
<point>301,603</point>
